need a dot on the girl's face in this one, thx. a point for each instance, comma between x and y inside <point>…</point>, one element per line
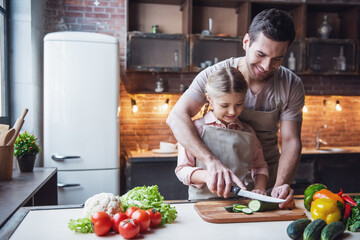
<point>228,106</point>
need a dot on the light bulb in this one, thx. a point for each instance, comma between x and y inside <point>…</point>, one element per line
<point>305,109</point>
<point>135,108</point>
<point>338,106</point>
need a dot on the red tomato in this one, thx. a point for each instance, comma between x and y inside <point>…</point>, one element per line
<point>130,211</point>
<point>155,217</point>
<point>129,228</point>
<point>143,218</point>
<point>102,223</point>
<point>117,218</point>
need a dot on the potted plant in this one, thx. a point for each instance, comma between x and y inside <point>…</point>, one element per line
<point>25,150</point>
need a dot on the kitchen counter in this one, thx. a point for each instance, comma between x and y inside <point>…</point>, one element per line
<point>27,189</point>
<point>331,150</point>
<point>52,224</point>
<point>305,151</point>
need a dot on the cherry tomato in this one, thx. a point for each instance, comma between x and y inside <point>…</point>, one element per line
<point>129,228</point>
<point>130,211</point>
<point>102,223</point>
<point>117,218</point>
<point>155,217</point>
<point>143,219</point>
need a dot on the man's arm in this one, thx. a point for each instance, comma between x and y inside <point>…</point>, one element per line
<point>179,120</point>
<point>290,155</point>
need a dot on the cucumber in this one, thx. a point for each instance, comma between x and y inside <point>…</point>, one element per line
<point>332,231</point>
<point>313,230</point>
<point>229,209</point>
<point>296,229</point>
<point>260,206</point>
<point>238,207</point>
<point>247,210</point>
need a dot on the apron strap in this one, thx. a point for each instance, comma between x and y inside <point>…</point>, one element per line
<point>277,89</point>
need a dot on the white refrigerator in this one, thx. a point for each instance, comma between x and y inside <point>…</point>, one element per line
<point>81,79</point>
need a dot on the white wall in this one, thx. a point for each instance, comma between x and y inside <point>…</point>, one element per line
<point>26,54</point>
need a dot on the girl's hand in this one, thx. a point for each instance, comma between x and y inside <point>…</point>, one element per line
<point>259,191</point>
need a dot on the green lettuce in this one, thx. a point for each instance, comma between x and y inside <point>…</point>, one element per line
<point>146,198</point>
<point>81,225</point>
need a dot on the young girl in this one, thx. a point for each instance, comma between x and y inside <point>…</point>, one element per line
<point>234,143</point>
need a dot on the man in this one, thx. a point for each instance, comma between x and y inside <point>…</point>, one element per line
<point>275,96</point>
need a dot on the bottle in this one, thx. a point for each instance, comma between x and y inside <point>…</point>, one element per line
<point>325,28</point>
<point>341,60</point>
<point>159,86</point>
<point>154,28</point>
<point>292,62</point>
<point>176,59</point>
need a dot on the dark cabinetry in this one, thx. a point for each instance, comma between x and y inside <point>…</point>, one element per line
<point>334,170</point>
<point>148,171</point>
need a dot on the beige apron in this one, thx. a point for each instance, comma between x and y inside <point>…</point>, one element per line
<point>233,148</point>
<point>265,125</point>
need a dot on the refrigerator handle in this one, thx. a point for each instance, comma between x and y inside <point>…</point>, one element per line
<point>60,158</point>
<point>64,185</point>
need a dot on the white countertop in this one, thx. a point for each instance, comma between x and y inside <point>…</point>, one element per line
<point>52,224</point>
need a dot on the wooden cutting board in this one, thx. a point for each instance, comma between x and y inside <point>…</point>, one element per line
<point>214,212</point>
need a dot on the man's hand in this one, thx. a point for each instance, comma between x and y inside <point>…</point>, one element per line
<point>221,179</point>
<point>284,192</point>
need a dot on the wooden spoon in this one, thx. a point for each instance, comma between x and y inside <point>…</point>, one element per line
<point>4,128</point>
<point>9,135</point>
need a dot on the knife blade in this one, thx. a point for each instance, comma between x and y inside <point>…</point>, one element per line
<point>252,195</point>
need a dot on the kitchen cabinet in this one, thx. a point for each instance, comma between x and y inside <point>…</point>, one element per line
<point>35,188</point>
<point>191,18</point>
<point>335,170</point>
<point>147,169</point>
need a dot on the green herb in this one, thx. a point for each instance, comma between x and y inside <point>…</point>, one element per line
<point>81,225</point>
<point>26,144</point>
<point>146,198</point>
<point>353,223</point>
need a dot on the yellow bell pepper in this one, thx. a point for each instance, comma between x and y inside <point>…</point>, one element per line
<point>325,209</point>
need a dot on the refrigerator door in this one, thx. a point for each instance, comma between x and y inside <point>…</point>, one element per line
<point>80,101</point>
<point>88,183</point>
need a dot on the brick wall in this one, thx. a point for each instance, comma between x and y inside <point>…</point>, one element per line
<point>148,125</point>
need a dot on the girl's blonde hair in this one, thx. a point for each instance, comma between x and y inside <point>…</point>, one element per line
<point>225,80</point>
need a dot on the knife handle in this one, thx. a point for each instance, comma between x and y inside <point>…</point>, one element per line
<point>235,190</point>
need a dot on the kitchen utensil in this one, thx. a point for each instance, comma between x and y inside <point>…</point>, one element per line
<point>3,130</point>
<point>252,195</point>
<point>214,212</point>
<point>9,135</point>
<point>18,125</point>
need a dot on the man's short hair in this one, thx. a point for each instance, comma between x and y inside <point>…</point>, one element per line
<point>275,24</point>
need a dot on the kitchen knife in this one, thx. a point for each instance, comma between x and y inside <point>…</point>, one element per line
<point>252,195</point>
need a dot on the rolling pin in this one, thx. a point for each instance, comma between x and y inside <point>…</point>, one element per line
<point>17,126</point>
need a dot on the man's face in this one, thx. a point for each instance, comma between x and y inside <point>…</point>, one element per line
<point>263,56</point>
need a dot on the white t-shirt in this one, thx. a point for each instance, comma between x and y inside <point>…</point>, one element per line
<point>292,92</point>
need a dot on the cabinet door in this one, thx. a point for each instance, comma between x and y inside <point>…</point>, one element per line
<point>340,171</point>
<point>157,173</point>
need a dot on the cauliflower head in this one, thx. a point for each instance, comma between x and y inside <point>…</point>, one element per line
<point>102,202</point>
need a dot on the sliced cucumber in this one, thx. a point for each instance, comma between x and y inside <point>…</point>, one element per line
<point>247,210</point>
<point>238,207</point>
<point>229,209</point>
